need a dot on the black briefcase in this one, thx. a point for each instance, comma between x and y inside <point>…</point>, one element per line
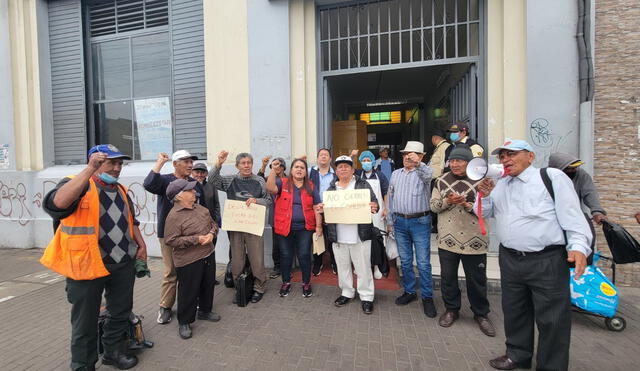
<point>244,287</point>
<point>228,277</point>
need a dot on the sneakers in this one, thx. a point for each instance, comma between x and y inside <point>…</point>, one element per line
<point>306,290</point>
<point>284,289</point>
<point>429,308</point>
<point>406,298</point>
<point>164,315</point>
<point>334,269</point>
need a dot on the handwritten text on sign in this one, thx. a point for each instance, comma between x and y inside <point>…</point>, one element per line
<point>239,217</point>
<point>347,207</point>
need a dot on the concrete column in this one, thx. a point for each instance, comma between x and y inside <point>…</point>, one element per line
<point>507,70</point>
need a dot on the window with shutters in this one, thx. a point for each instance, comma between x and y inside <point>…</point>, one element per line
<point>130,77</point>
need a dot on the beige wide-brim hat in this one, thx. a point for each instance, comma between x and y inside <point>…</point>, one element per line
<point>413,146</point>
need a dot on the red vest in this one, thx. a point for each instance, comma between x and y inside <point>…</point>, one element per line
<point>283,211</point>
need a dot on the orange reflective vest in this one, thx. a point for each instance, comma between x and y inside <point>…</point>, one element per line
<point>74,252</point>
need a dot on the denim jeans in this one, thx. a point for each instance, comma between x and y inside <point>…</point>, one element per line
<point>296,242</point>
<point>410,234</point>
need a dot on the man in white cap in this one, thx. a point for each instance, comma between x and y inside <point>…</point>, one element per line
<point>541,229</point>
<point>409,216</point>
<point>157,183</point>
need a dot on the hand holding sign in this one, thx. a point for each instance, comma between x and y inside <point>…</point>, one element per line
<point>348,206</point>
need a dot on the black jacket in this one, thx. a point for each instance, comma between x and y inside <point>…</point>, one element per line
<point>365,231</point>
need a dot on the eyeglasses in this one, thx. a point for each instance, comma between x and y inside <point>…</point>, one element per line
<point>507,154</point>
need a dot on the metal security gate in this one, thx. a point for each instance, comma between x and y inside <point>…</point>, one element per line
<point>360,36</point>
<point>377,35</point>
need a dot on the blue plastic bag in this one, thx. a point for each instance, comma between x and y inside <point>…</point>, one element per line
<point>594,292</point>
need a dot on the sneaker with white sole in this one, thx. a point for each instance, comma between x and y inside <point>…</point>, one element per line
<point>306,290</point>
<point>284,289</point>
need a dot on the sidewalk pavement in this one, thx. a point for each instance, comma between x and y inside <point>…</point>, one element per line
<point>291,333</point>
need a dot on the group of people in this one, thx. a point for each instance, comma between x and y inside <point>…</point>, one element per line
<point>540,231</point>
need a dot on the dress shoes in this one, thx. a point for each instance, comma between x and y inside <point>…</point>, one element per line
<point>506,363</point>
<point>121,360</point>
<point>184,331</point>
<point>448,318</point>
<point>257,296</point>
<point>485,325</point>
<point>341,301</point>
<point>210,316</point>
<point>367,307</point>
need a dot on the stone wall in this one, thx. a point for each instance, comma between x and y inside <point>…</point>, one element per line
<point>617,119</point>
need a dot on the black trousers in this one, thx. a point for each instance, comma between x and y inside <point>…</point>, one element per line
<point>328,246</point>
<point>475,272</point>
<point>195,288</point>
<point>275,250</point>
<point>536,288</point>
<point>85,297</point>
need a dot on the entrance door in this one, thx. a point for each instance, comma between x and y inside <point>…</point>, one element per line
<point>366,36</point>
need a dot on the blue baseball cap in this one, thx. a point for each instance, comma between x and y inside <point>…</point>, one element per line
<point>514,145</point>
<point>111,151</point>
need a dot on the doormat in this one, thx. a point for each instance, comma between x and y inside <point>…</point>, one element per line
<point>326,277</point>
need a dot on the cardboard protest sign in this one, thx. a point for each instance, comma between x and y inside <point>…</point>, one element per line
<point>239,217</point>
<point>347,207</point>
<point>318,244</point>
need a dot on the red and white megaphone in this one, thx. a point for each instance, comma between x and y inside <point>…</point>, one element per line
<point>477,169</point>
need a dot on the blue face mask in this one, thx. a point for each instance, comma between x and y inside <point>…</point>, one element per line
<point>455,136</point>
<point>107,178</point>
<point>367,166</point>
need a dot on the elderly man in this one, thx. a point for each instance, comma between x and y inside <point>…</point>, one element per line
<point>541,230</point>
<point>107,252</point>
<point>459,239</point>
<point>200,172</point>
<point>352,242</point>
<point>409,216</point>
<point>157,183</point>
<point>248,187</point>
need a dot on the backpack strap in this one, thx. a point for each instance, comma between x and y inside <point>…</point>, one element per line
<point>547,182</point>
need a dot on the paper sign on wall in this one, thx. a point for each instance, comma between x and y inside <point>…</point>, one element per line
<point>239,217</point>
<point>153,118</point>
<point>347,207</point>
<point>4,156</point>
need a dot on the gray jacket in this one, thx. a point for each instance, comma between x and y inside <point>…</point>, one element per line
<point>582,182</point>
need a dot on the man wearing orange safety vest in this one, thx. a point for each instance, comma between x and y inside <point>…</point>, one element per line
<point>95,245</point>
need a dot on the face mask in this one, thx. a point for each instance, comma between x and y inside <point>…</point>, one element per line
<point>367,166</point>
<point>455,136</point>
<point>107,178</point>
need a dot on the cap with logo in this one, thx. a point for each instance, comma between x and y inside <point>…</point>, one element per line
<point>458,126</point>
<point>181,155</point>
<point>344,160</point>
<point>110,150</point>
<point>200,166</point>
<point>513,145</point>
<point>178,186</point>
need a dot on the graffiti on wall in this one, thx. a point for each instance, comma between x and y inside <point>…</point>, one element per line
<point>546,140</point>
<point>21,207</point>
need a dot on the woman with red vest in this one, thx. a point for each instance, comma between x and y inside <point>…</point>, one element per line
<point>295,220</point>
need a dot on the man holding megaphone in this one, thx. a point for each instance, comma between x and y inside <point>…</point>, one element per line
<point>539,234</point>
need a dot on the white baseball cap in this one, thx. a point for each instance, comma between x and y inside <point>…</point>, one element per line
<point>181,155</point>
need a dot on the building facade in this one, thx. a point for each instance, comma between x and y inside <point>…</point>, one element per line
<point>271,78</point>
